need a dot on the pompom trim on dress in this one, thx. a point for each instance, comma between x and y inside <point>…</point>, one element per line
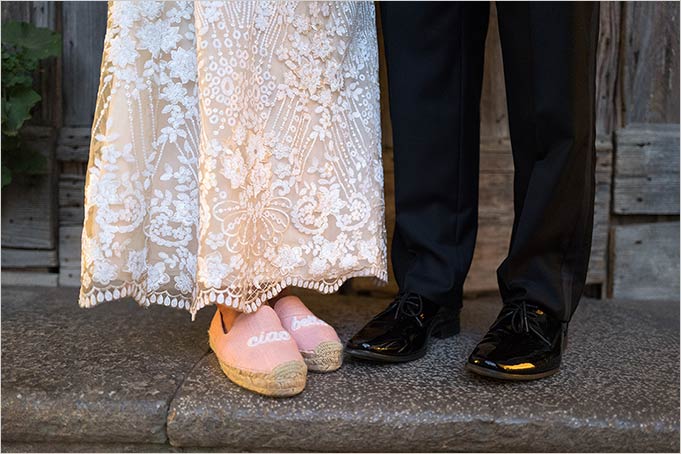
<point>136,291</point>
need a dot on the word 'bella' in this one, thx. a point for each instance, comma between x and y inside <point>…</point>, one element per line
<point>310,320</point>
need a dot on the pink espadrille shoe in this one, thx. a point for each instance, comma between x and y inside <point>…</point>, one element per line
<point>257,353</point>
<point>317,340</point>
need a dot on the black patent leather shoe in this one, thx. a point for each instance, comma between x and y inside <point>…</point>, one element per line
<point>524,343</point>
<point>402,331</point>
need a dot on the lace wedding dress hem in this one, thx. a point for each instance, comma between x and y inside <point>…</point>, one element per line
<point>137,291</point>
<point>233,144</point>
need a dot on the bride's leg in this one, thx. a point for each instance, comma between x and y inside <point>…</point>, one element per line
<point>228,316</point>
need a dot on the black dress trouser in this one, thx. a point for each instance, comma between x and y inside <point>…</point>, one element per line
<point>435,55</point>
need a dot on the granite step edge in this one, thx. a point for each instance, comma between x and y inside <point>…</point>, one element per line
<point>344,432</point>
<point>85,418</point>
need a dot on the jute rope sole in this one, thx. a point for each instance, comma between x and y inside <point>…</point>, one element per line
<point>327,357</point>
<point>287,379</point>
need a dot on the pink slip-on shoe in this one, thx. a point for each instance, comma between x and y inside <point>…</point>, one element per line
<point>258,354</point>
<point>317,340</point>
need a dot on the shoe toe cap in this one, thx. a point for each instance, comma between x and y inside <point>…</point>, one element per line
<point>479,360</point>
<point>359,343</point>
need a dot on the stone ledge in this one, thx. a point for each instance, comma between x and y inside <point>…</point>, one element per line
<point>107,379</point>
<point>106,374</point>
<point>605,398</point>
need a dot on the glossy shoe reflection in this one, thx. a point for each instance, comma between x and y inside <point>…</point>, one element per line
<point>402,331</point>
<point>524,343</point>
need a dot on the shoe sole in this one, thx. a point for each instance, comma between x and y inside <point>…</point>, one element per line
<point>327,357</point>
<point>285,380</point>
<point>443,330</point>
<point>508,377</point>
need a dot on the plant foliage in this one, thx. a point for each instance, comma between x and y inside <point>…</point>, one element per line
<point>23,47</point>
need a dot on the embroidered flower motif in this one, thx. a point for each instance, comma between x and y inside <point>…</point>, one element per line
<point>137,263</point>
<point>184,283</point>
<point>288,258</point>
<point>157,276</point>
<point>123,51</point>
<point>104,272</point>
<point>213,270</point>
<point>182,64</point>
<point>158,36</point>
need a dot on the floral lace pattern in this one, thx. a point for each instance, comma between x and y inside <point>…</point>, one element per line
<point>235,150</point>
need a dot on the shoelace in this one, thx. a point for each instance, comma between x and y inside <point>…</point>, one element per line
<point>409,304</point>
<point>522,318</point>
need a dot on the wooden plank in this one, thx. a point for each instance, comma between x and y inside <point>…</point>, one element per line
<point>19,11</point>
<point>69,276</point>
<point>490,249</point>
<point>645,261</point>
<point>495,216</point>
<point>73,144</point>
<point>69,255</point>
<point>604,151</point>
<point>599,242</point>
<point>69,246</point>
<point>84,27</point>
<point>71,216</point>
<point>47,14</point>
<point>29,202</point>
<point>29,278</point>
<point>608,112</point>
<point>71,198</point>
<point>597,273</point>
<point>493,113</point>
<point>646,177</point>
<point>650,65</point>
<point>29,258</point>
<point>71,190</point>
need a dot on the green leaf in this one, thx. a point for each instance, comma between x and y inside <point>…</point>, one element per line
<point>13,79</point>
<point>41,42</point>
<point>23,46</point>
<point>17,108</point>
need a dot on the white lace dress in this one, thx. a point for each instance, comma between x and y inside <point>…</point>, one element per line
<point>235,151</point>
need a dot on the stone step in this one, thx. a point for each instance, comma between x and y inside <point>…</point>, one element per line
<point>117,377</point>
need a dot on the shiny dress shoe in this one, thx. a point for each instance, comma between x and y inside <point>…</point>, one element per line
<point>401,332</point>
<point>524,343</point>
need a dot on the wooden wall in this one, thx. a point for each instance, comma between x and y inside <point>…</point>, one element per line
<point>84,26</point>
<point>644,249</point>
<point>637,203</point>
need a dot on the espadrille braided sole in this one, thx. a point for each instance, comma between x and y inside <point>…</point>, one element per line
<point>327,357</point>
<point>287,379</point>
